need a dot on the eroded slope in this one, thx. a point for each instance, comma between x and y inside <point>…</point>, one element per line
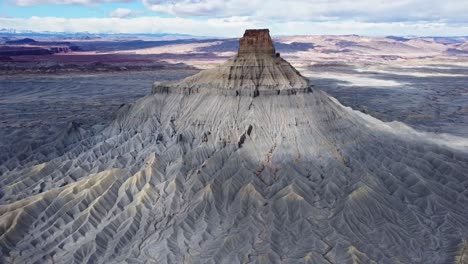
<point>260,174</point>
<point>224,179</point>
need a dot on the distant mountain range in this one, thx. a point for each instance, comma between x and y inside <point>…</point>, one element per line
<point>14,34</point>
<point>4,32</point>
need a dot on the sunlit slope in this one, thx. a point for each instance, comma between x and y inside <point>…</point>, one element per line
<point>196,176</point>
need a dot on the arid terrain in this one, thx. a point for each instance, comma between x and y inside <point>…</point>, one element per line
<point>421,82</point>
<point>209,151</point>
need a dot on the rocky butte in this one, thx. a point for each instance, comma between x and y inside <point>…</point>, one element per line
<point>257,69</point>
<point>256,41</point>
<point>242,163</point>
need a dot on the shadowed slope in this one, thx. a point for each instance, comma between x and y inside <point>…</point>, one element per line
<point>200,177</point>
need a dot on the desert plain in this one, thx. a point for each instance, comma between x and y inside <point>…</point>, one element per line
<point>421,82</point>
<point>262,156</point>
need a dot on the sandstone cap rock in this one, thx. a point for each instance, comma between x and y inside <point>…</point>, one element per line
<point>256,41</point>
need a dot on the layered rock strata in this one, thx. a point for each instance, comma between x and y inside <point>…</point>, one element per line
<point>182,177</point>
<point>256,70</point>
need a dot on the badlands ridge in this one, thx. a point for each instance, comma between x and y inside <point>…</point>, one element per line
<point>243,163</point>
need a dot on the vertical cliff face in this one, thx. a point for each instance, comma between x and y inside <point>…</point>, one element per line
<point>257,41</point>
<point>198,172</point>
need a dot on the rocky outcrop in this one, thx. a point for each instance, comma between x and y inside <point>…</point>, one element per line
<point>60,49</point>
<point>22,51</point>
<point>25,41</point>
<point>256,41</point>
<point>32,50</point>
<point>29,46</point>
<point>208,178</point>
<point>255,70</point>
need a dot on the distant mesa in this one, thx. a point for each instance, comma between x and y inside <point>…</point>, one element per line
<point>28,46</point>
<point>23,50</point>
<point>24,41</point>
<point>397,38</point>
<point>29,41</point>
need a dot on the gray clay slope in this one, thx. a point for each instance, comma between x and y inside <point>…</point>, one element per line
<point>236,169</point>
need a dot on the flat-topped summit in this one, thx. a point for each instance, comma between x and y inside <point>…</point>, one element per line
<point>256,41</point>
<point>256,70</point>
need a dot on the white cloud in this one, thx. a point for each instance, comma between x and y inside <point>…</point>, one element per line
<point>215,17</point>
<point>216,8</point>
<point>228,27</point>
<point>317,10</point>
<point>123,12</point>
<point>214,27</point>
<point>66,2</point>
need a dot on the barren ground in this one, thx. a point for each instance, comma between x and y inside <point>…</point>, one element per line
<point>207,177</point>
<point>419,82</point>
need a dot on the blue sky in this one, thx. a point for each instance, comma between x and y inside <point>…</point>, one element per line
<point>231,17</point>
<point>10,9</point>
